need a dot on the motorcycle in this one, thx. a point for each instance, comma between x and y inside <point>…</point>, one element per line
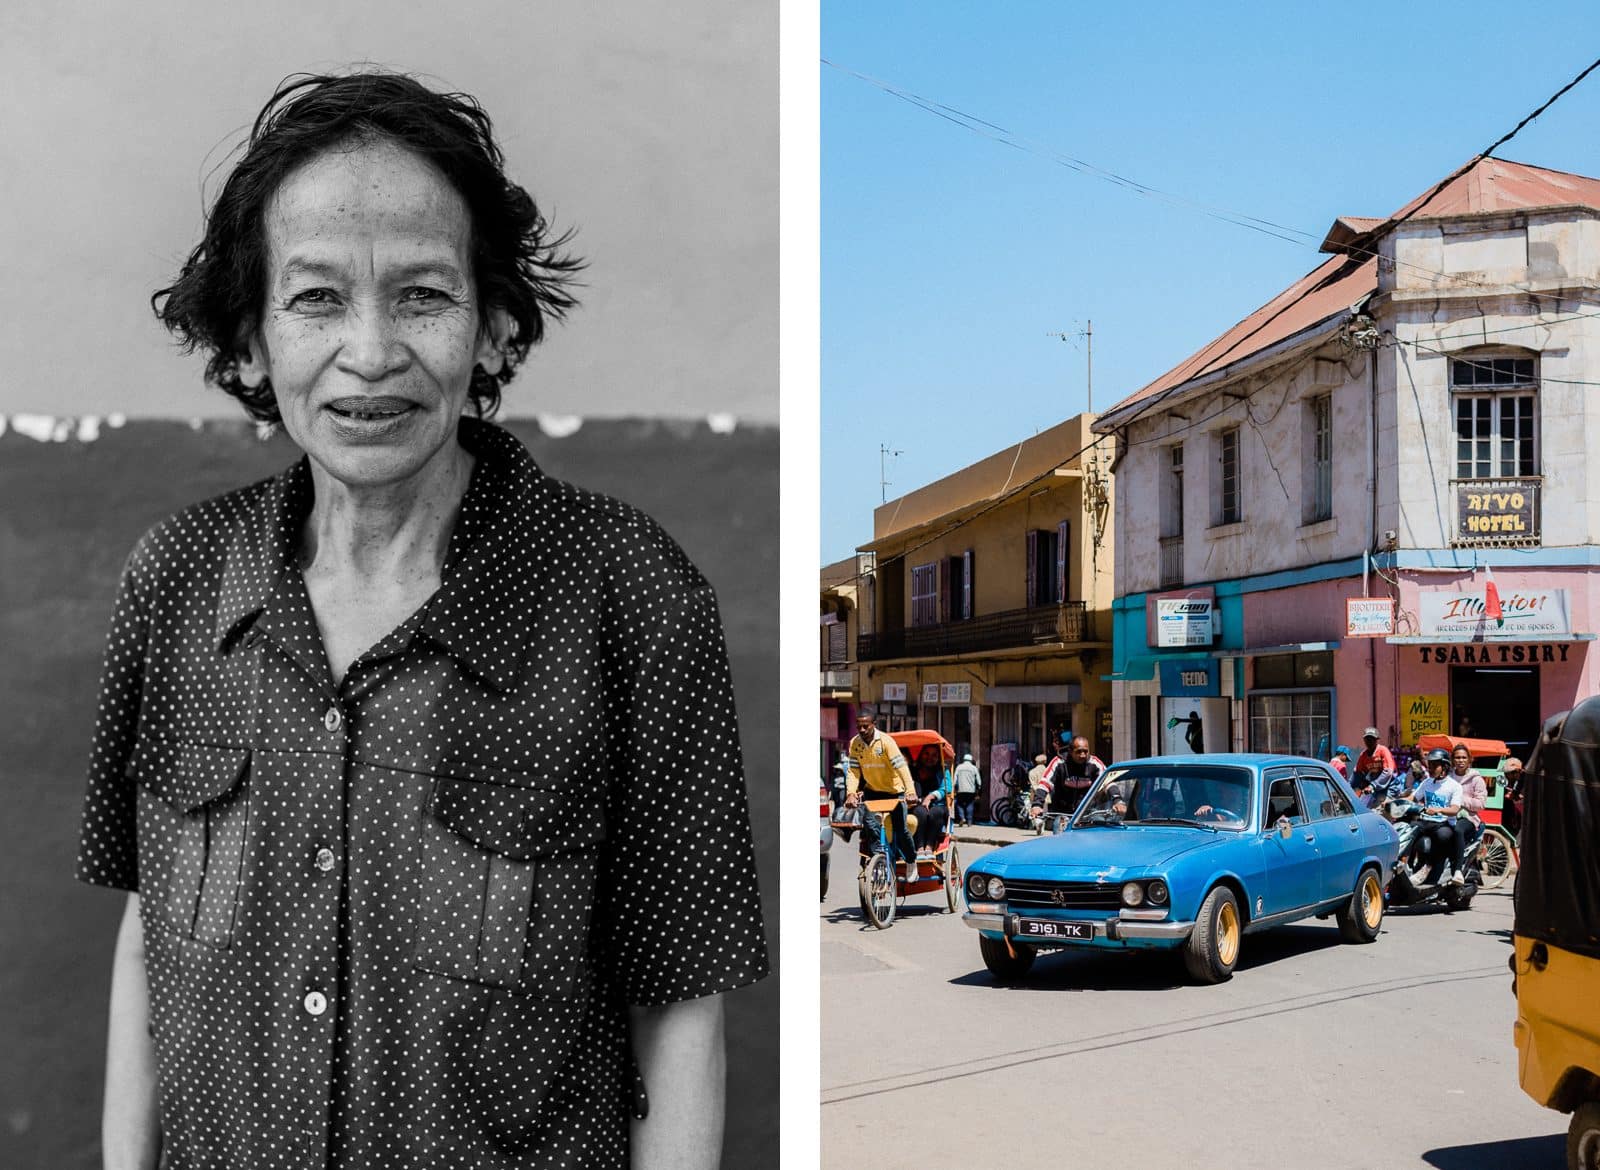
<point>1410,887</point>
<point>1015,809</point>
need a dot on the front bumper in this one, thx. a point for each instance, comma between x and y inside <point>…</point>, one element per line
<point>1110,930</point>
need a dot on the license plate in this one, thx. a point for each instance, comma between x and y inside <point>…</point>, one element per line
<point>1050,928</point>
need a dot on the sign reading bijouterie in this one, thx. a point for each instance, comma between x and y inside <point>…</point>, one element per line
<point>1368,617</point>
<point>1183,621</point>
<point>1525,613</point>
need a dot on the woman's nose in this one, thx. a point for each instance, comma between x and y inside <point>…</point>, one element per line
<point>372,348</point>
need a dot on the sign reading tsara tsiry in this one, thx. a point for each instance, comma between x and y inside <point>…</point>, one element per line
<point>1368,617</point>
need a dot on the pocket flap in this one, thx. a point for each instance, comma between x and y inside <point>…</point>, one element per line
<point>518,822</point>
<point>188,775</point>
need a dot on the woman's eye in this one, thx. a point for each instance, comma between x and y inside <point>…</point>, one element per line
<point>417,294</point>
<point>311,298</point>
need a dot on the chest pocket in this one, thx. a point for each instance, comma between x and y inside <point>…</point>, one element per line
<point>507,884</point>
<point>194,821</point>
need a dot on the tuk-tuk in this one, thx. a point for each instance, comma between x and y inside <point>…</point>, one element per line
<point>884,886</point>
<point>1556,962</point>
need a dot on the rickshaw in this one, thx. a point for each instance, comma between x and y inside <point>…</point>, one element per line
<point>1556,958</point>
<point>1497,848</point>
<point>882,889</point>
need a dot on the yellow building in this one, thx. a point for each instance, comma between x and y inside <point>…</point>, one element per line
<point>846,589</point>
<point>991,591</point>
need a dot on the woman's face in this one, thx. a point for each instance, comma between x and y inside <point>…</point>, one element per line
<point>371,326</point>
<point>1461,760</point>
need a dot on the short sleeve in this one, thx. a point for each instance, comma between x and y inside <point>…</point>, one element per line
<point>108,845</point>
<point>683,916</point>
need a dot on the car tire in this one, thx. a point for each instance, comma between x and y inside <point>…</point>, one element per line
<point>1360,918</point>
<point>877,891</point>
<point>1583,1137</point>
<point>952,878</point>
<point>1212,949</point>
<point>1005,962</point>
<point>824,897</point>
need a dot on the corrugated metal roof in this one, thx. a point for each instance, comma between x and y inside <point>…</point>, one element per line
<point>1492,185</point>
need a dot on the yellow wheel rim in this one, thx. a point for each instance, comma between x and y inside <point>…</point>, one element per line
<point>1371,901</point>
<point>1228,933</point>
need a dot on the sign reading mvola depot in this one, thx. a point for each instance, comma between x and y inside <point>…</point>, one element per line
<point>1526,613</point>
<point>1184,621</point>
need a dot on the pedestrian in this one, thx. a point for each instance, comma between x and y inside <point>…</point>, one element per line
<point>841,774</point>
<point>1374,750</point>
<point>388,904</point>
<point>967,779</point>
<point>1341,761</point>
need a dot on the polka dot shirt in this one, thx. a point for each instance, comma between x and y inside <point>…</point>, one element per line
<point>398,922</point>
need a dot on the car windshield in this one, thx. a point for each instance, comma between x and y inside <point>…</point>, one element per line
<point>1205,796</point>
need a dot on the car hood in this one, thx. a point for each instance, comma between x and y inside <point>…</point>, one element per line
<point>1087,854</point>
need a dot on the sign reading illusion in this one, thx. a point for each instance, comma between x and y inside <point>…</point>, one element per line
<point>1526,613</point>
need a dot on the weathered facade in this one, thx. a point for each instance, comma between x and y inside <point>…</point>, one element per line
<point>1366,448</point>
<point>992,588</point>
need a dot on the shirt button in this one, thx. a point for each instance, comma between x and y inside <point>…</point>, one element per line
<point>316,1003</point>
<point>324,859</point>
<point>333,720</point>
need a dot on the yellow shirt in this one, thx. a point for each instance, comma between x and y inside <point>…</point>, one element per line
<point>879,766</point>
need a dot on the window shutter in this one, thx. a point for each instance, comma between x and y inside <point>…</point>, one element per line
<point>1033,567</point>
<point>944,589</point>
<point>1063,537</point>
<point>966,584</point>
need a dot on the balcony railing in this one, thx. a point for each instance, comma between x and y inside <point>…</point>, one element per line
<point>1171,561</point>
<point>1039,625</point>
<point>1497,511</point>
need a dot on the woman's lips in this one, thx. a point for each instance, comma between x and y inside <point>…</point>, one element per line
<point>370,409</point>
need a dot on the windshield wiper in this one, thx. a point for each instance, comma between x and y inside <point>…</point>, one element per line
<point>1098,816</point>
<point>1174,821</point>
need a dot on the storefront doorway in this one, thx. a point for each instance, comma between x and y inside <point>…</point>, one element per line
<point>1496,702</point>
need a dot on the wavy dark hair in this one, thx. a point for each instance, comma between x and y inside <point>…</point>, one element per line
<point>518,265</point>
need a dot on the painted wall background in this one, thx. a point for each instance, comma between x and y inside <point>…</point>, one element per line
<point>652,129</point>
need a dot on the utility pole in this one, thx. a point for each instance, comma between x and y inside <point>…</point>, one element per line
<point>1087,333</point>
<point>884,455</point>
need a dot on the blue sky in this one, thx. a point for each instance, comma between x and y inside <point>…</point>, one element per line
<point>948,258</point>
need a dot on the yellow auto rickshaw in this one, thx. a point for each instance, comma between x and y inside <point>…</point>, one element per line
<point>1557,929</point>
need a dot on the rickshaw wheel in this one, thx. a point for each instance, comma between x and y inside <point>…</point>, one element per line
<point>1583,1138</point>
<point>1496,863</point>
<point>876,887</point>
<point>952,878</point>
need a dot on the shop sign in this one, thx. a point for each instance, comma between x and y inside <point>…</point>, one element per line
<point>1184,621</point>
<point>1500,654</point>
<point>1191,678</point>
<point>894,692</point>
<point>1421,715</point>
<point>1497,513</point>
<point>955,693</point>
<point>1525,613</point>
<point>1368,617</point>
<point>930,693</point>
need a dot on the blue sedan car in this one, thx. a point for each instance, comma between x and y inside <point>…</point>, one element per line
<point>1188,853</point>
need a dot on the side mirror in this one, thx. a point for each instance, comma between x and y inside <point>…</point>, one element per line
<point>1284,827</point>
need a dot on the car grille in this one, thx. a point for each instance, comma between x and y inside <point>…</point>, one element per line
<point>1072,895</point>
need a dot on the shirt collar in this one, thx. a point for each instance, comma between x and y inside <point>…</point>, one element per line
<point>482,613</point>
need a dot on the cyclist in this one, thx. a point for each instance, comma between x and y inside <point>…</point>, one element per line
<point>878,771</point>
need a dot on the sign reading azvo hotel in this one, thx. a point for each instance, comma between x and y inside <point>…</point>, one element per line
<point>1502,512</point>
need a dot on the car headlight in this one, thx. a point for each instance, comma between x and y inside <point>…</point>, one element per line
<point>996,890</point>
<point>1157,892</point>
<point>1132,894</point>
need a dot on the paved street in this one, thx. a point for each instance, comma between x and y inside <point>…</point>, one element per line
<point>1316,1055</point>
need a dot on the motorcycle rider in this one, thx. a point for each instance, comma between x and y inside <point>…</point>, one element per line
<point>1474,794</point>
<point>1440,795</point>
